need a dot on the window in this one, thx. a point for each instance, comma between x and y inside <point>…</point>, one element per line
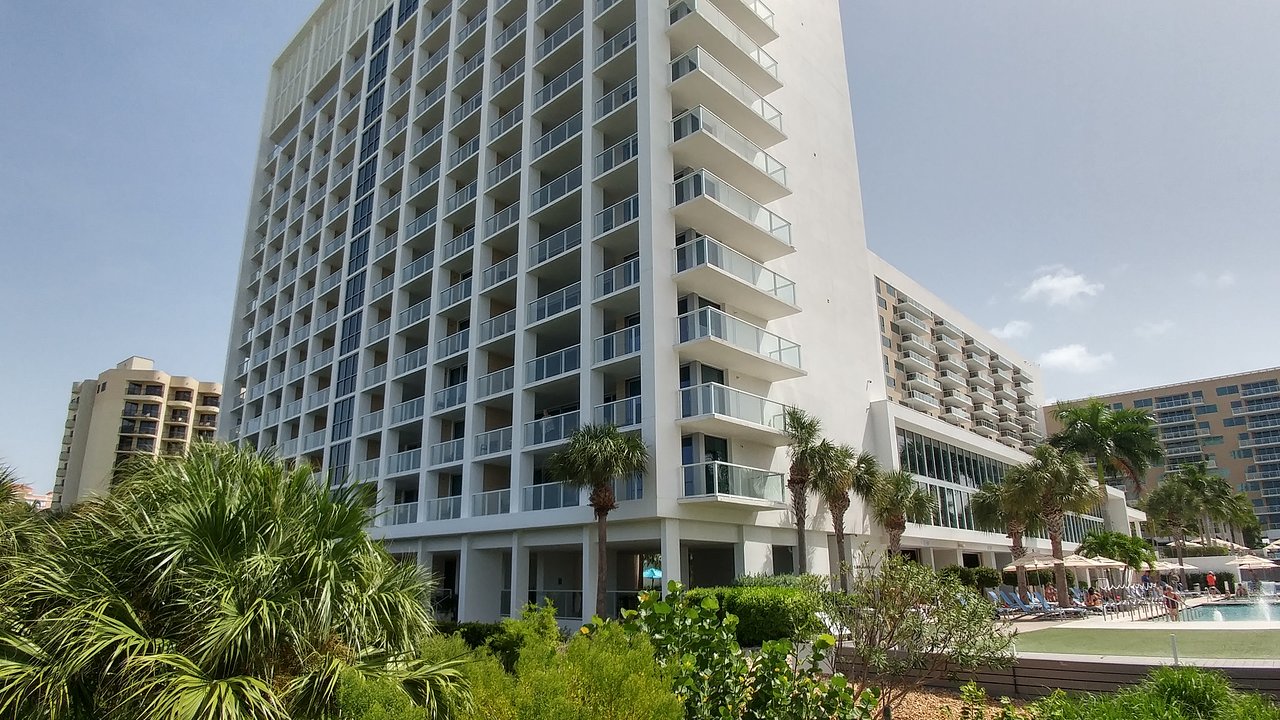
<point>1213,440</point>
<point>886,341</point>
<point>209,400</point>
<point>1117,406</point>
<point>339,459</point>
<point>342,414</point>
<point>131,409</point>
<point>1242,453</point>
<point>1143,403</point>
<point>207,420</point>
<point>182,395</point>
<point>355,293</point>
<point>346,379</point>
<point>134,389</point>
<point>884,304</point>
<point>407,9</point>
<point>366,177</point>
<point>363,215</point>
<point>1234,421</point>
<point>358,254</point>
<point>370,139</point>
<point>382,28</point>
<point>350,334</point>
<point>1228,390</point>
<point>1206,409</point>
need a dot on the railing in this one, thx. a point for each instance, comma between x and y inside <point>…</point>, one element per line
<point>403,462</point>
<point>703,183</point>
<point>411,361</point>
<point>558,37</point>
<point>621,413</point>
<point>339,209</point>
<point>447,452</point>
<point>424,180</point>
<point>434,60</point>
<point>468,67</point>
<point>618,277</point>
<point>1264,406</point>
<point>499,272</point>
<point>382,287</point>
<point>617,215</point>
<point>552,429</point>
<point>464,195</point>
<point>353,67</point>
<point>721,478</point>
<point>555,245</point>
<point>452,396</point>
<point>335,245</point>
<point>728,28</point>
<point>502,219</point>
<point>375,375</point>
<point>1260,390</point>
<point>297,370</point>
<point>472,25</point>
<point>436,22</point>
<point>429,138</point>
<point>556,189</point>
<point>620,153</point>
<point>557,136</point>
<point>493,441</point>
<point>418,267</point>
<point>312,441</point>
<point>509,32</point>
<point>430,99</point>
<point>551,496</point>
<point>407,410</point>
<point>618,344</point>
<point>503,170</point>
<point>562,300</point>
<point>699,59</point>
<point>495,382</point>
<point>453,344</point>
<point>465,151</point>
<point>379,331</point>
<point>506,77</point>
<point>468,106</point>
<point>614,46</point>
<point>403,513</point>
<point>292,410</point>
<point>554,364</point>
<point>370,422</point>
<point>497,326</point>
<point>708,251</point>
<point>712,323</point>
<point>617,97</point>
<point>317,399</point>
<point>422,222</point>
<point>445,508</point>
<point>717,399</point>
<point>394,165</point>
<point>557,85</point>
<point>500,126</point>
<point>493,502</point>
<point>703,120</point>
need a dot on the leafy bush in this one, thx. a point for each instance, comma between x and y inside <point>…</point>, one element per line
<point>1167,694</point>
<point>815,583</point>
<point>765,613</point>
<point>1036,577</point>
<point>476,634</point>
<point>718,680</point>
<point>1169,551</point>
<point>1222,577</point>
<point>973,706</point>
<point>977,577</point>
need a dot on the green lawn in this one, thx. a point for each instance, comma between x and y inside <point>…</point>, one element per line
<point>1191,643</point>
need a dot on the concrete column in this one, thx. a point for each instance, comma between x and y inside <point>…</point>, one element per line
<point>479,580</point>
<point>672,557</point>
<point>752,557</point>
<point>989,559</point>
<point>926,557</point>
<point>519,574</point>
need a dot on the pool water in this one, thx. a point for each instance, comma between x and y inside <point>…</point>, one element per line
<point>1234,612</point>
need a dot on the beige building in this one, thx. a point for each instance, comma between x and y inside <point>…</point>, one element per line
<point>1231,423</point>
<point>35,498</point>
<point>130,409</point>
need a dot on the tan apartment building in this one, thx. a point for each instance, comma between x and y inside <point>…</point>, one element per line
<point>1231,423</point>
<point>127,410</point>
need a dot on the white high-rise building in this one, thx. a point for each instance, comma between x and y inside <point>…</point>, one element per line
<point>479,225</point>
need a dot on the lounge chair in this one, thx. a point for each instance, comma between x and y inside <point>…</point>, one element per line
<point>1003,609</point>
<point>1026,610</point>
<point>1055,608</point>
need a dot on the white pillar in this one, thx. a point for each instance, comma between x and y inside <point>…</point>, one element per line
<point>672,557</point>
<point>589,568</point>
<point>479,581</point>
<point>519,574</point>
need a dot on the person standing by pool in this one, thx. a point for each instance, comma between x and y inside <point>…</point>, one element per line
<point>1171,602</point>
<point>1146,579</point>
<point>1211,580</point>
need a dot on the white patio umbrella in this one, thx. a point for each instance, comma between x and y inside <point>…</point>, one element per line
<point>1273,546</point>
<point>1162,566</point>
<point>1032,561</point>
<point>1252,562</point>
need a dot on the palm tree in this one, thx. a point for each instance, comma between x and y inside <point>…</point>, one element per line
<point>896,500</point>
<point>1013,506</point>
<point>843,471</point>
<point>594,458</point>
<point>219,584</point>
<point>806,449</point>
<point>1240,515</point>
<point>1122,441</point>
<point>1128,549</point>
<point>1174,509</point>
<point>1064,486</point>
<point>1202,484</point>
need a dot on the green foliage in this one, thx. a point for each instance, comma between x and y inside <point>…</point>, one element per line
<point>364,699</point>
<point>974,706</point>
<point>1166,694</point>
<point>1169,551</point>
<point>717,680</point>
<point>978,578</point>
<point>1133,551</point>
<point>1223,577</point>
<point>814,583</point>
<point>765,613</point>
<point>907,624</point>
<point>222,580</point>
<point>1125,442</point>
<point>476,634</point>
<point>1036,577</point>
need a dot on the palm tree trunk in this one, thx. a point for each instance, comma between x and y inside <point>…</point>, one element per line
<point>1018,550</point>
<point>1177,544</point>
<point>837,519</point>
<point>1053,523</point>
<point>1102,491</point>
<point>895,530</point>
<point>797,483</point>
<point>602,559</point>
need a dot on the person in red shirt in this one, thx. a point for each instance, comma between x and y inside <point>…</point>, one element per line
<point>1212,581</point>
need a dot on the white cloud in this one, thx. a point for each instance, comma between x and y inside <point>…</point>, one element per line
<point>1150,330</point>
<point>1076,358</point>
<point>1012,329</point>
<point>1224,279</point>
<point>1060,286</point>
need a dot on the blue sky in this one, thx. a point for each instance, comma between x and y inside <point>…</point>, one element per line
<point>1099,181</point>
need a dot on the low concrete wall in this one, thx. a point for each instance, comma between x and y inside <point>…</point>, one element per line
<point>1035,675</point>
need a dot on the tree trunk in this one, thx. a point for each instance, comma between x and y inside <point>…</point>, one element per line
<point>602,559</point>
<point>838,507</point>
<point>895,530</point>
<point>1182,570</point>
<point>1102,491</point>
<point>1018,550</point>
<point>798,484</point>
<point>1053,523</point>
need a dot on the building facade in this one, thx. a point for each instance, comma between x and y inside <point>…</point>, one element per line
<point>128,410</point>
<point>479,225</point>
<point>1231,423</point>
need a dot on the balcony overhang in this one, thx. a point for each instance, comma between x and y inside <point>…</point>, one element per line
<point>700,149</point>
<point>727,426</point>
<point>697,29</point>
<point>717,352</point>
<point>710,281</point>
<point>710,217</point>
<point>696,88</point>
<point>733,501</point>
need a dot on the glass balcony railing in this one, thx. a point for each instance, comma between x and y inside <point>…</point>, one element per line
<point>551,429</point>
<point>554,364</point>
<point>412,360</point>
<point>557,136</point>
<point>429,138</point>
<point>413,313</point>
<point>464,195</point>
<point>618,277</point>
<point>556,245</point>
<point>703,120</point>
<point>471,26</point>
<point>448,452</point>
<point>408,410</point>
<point>382,287</point>
<point>453,344</point>
<point>421,223</point>
<point>407,461</point>
<point>379,330</point>
<point>618,344</point>
<point>557,302</point>
<point>445,508</point>
<point>498,272</point>
<point>375,375</point>
<point>402,513</point>
<point>717,399</point>
<point>617,97</point>
<point>721,478</point>
<point>450,397</point>
<point>497,326</point>
<point>557,85</point>
<point>502,220</point>
<point>493,441</point>
<point>558,37</point>
<point>510,32</point>
<point>621,413</point>
<point>705,184</point>
<point>493,502</point>
<point>418,267</point>
<point>614,46</point>
<point>708,11</point>
<point>506,122</point>
<point>617,215</point>
<point>503,170</point>
<point>317,399</point>
<point>495,382</point>
<point>370,422</point>
<point>459,244</point>
<point>707,251</point>
<point>455,293</point>
<point>468,106</point>
<point>712,323</point>
<point>617,155</point>
<point>551,496</point>
<point>468,67</point>
<point>556,189</point>
<point>699,59</point>
<point>312,441</point>
<point>465,151</point>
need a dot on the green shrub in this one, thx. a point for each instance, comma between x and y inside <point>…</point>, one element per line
<point>1222,577</point>
<point>1036,577</point>
<point>985,577</point>
<point>978,578</point>
<point>1167,694</point>
<point>765,613</point>
<point>816,583</point>
<point>1169,551</point>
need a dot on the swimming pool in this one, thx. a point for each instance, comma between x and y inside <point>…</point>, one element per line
<point>1234,612</point>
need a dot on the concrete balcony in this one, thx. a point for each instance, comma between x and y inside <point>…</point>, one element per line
<point>493,442</point>
<point>551,430</point>
<point>915,362</point>
<point>985,413</point>
<point>493,502</point>
<point>714,207</point>
<point>702,139</point>
<point>917,343</point>
<point>951,379</point>
<point>722,411</point>
<point>712,269</point>
<point>957,398</point>
<point>985,428</point>
<point>921,401</point>
<point>728,485</point>
<point>623,413</point>
<point>698,78</point>
<point>954,364</point>
<point>717,338</point>
<point>550,496</point>
<point>956,416</point>
<point>699,22</point>
<point>1010,423</point>
<point>923,383</point>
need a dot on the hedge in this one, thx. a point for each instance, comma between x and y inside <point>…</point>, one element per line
<point>979,578</point>
<point>1169,551</point>
<point>1037,577</point>
<point>765,613</point>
